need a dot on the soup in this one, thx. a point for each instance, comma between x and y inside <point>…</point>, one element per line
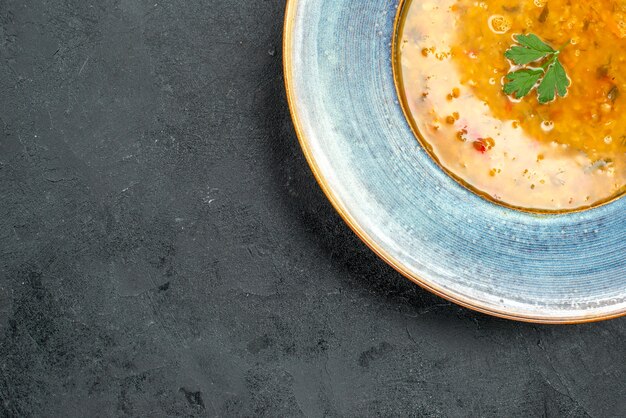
<point>558,155</point>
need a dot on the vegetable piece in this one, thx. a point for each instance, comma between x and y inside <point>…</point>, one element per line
<point>613,94</point>
<point>544,14</point>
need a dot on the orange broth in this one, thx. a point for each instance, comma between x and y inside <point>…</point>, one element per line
<point>566,155</point>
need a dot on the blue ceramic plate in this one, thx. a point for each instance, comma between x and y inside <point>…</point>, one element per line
<point>540,268</point>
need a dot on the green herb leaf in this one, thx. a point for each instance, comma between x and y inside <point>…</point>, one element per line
<point>554,82</point>
<point>532,41</point>
<point>522,56</point>
<point>532,49</point>
<point>550,77</point>
<point>521,82</point>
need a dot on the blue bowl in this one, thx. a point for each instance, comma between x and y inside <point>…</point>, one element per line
<point>539,268</point>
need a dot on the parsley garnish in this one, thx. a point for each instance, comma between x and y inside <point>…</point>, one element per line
<point>549,79</point>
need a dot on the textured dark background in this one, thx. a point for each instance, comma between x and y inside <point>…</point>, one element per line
<point>166,251</point>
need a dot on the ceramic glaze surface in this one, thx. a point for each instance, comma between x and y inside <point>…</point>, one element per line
<point>542,268</point>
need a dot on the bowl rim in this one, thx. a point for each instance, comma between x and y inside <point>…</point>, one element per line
<point>288,28</point>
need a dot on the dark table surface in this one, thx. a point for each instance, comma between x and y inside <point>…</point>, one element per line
<point>166,250</point>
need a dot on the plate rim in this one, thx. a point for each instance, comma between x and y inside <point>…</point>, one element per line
<point>288,28</point>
